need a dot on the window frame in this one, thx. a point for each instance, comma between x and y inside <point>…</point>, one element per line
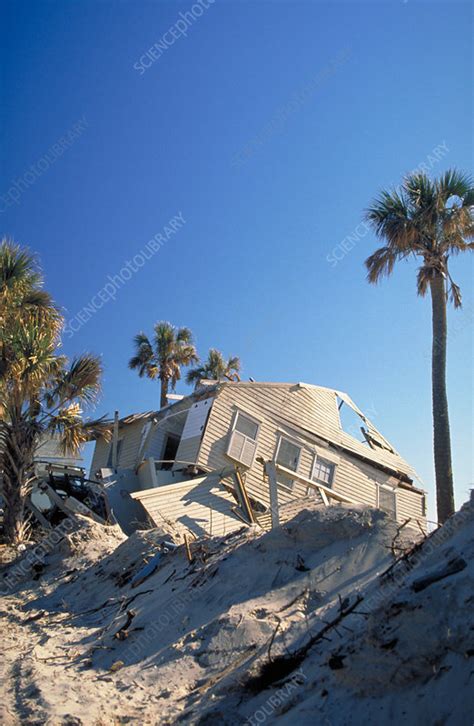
<point>296,443</point>
<point>242,412</point>
<point>330,484</point>
<point>253,419</point>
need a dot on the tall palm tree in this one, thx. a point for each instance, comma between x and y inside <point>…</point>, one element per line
<point>215,368</point>
<point>163,357</point>
<point>431,220</point>
<point>40,394</point>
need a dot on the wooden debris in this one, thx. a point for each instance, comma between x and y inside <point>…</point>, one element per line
<point>34,617</point>
<point>122,632</point>
<point>188,548</point>
<point>147,570</point>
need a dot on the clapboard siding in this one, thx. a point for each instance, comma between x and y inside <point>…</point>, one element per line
<point>131,434</point>
<point>409,505</point>
<point>99,459</point>
<point>277,408</point>
<point>201,505</point>
<point>311,408</point>
<point>131,437</point>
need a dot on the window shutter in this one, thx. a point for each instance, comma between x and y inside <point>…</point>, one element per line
<point>196,419</point>
<point>248,452</point>
<point>241,448</point>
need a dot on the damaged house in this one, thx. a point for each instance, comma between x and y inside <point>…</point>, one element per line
<point>235,452</point>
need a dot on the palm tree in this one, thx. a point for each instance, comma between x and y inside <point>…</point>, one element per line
<point>164,356</point>
<point>431,220</point>
<point>40,394</point>
<point>215,368</point>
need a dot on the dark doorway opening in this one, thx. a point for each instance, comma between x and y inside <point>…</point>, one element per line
<point>170,450</point>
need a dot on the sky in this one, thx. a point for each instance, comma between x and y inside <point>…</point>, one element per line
<point>244,140</point>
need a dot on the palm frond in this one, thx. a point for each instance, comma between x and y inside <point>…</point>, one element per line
<point>420,191</point>
<point>184,335</point>
<point>194,375</point>
<point>81,382</point>
<point>454,183</point>
<point>380,264</point>
<point>425,275</point>
<point>455,294</point>
<point>17,267</point>
<point>73,432</point>
<point>144,358</point>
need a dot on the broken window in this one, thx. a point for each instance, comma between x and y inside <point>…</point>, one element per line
<point>350,420</point>
<point>323,471</point>
<point>243,439</point>
<point>357,425</point>
<point>387,500</point>
<point>287,455</point>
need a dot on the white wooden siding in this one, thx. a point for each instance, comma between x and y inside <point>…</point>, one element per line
<point>201,505</point>
<point>277,408</point>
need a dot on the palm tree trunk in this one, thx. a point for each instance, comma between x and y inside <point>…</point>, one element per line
<point>164,392</point>
<point>442,439</point>
<point>16,486</point>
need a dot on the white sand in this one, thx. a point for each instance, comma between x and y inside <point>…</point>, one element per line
<point>200,631</point>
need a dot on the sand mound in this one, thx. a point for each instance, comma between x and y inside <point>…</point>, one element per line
<point>297,624</point>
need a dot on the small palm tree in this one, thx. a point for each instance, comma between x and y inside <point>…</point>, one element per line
<point>431,220</point>
<point>215,368</point>
<point>164,356</point>
<point>40,394</point>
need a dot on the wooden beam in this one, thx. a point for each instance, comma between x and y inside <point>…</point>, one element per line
<point>244,497</point>
<point>47,489</point>
<point>115,440</point>
<point>39,515</point>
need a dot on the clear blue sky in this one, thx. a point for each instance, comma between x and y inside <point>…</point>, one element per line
<point>251,270</point>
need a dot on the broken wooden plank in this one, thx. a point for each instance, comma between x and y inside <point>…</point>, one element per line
<point>39,515</point>
<point>188,548</point>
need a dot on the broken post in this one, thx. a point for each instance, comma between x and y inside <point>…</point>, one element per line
<point>270,471</point>
<point>115,441</point>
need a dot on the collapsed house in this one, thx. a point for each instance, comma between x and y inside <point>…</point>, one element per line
<point>233,453</point>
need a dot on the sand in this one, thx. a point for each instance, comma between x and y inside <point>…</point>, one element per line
<point>232,637</point>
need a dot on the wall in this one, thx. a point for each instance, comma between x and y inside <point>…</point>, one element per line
<point>278,407</point>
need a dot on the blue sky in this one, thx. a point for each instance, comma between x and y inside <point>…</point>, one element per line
<point>268,127</point>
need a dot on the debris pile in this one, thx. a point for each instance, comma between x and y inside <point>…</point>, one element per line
<point>335,617</point>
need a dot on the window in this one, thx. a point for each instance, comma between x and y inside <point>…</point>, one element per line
<point>111,453</point>
<point>323,471</point>
<point>246,426</point>
<point>388,501</point>
<point>288,455</point>
<point>243,439</point>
